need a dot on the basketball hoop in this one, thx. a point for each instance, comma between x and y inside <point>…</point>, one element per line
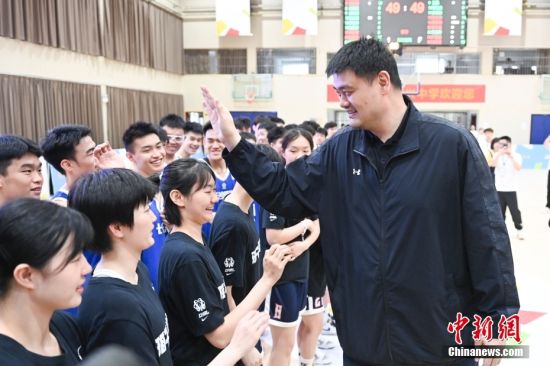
<point>250,94</point>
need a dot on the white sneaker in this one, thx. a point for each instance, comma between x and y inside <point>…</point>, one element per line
<point>321,358</point>
<point>325,344</point>
<point>519,235</point>
<point>329,329</point>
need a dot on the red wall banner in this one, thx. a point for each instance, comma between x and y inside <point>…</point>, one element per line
<point>435,93</point>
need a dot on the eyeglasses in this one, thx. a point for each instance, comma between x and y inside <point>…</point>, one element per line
<point>176,138</point>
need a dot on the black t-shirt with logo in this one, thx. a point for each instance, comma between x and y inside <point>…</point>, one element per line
<point>236,246</point>
<point>114,311</point>
<point>65,330</point>
<point>298,269</point>
<point>192,290</point>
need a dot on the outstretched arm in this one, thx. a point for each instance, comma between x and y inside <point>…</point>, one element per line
<point>293,192</point>
<point>221,120</point>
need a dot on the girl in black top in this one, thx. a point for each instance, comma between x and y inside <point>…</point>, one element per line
<point>289,295</point>
<point>42,270</point>
<point>120,305</point>
<point>192,287</point>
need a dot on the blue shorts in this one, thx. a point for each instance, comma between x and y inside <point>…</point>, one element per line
<point>314,305</point>
<point>286,302</point>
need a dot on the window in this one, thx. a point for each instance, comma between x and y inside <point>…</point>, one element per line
<point>290,61</point>
<point>330,55</point>
<point>221,61</point>
<point>521,62</point>
<point>439,63</point>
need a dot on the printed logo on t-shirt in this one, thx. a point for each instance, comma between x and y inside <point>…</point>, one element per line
<point>272,217</point>
<point>200,306</point>
<point>163,340</point>
<point>229,263</point>
<point>161,229</point>
<point>255,254</point>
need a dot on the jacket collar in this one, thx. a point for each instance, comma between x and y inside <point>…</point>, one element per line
<point>408,142</point>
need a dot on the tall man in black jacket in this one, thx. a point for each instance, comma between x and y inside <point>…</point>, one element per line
<point>411,228</point>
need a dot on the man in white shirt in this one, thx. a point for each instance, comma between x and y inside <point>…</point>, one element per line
<point>507,165</point>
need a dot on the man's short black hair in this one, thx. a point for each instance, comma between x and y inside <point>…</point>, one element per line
<point>247,136</point>
<point>330,124</point>
<point>261,118</point>
<point>193,127</point>
<point>207,126</point>
<point>277,120</point>
<point>322,131</point>
<point>172,121</point>
<point>308,127</point>
<point>290,126</point>
<point>267,125</point>
<point>60,142</point>
<point>506,138</point>
<point>488,130</point>
<point>107,197</point>
<point>270,153</point>
<point>138,130</point>
<point>366,58</point>
<point>274,134</point>
<point>242,123</point>
<point>14,147</point>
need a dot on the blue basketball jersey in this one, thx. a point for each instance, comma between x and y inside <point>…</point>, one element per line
<point>224,186</point>
<point>151,256</point>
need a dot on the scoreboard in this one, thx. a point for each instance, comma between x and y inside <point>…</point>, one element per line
<point>408,22</point>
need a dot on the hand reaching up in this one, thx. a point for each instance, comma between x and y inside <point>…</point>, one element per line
<point>221,119</point>
<point>106,157</point>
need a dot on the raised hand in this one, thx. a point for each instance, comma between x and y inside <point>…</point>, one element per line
<point>275,261</point>
<point>221,119</point>
<point>106,157</point>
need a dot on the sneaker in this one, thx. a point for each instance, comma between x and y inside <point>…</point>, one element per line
<point>329,329</point>
<point>325,344</point>
<point>321,358</point>
<point>519,235</point>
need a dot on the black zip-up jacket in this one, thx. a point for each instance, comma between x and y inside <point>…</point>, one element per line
<point>403,251</point>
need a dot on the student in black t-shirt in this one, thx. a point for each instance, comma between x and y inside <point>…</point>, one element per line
<point>42,270</point>
<point>235,245</point>
<point>120,305</point>
<point>192,287</point>
<point>289,297</point>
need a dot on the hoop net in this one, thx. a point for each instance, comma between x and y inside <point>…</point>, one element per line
<point>250,94</point>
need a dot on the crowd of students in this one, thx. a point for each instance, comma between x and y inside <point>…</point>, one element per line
<point>161,252</point>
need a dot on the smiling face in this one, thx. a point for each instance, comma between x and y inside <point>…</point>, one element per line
<point>23,178</point>
<point>191,143</point>
<point>213,147</point>
<point>361,99</point>
<point>147,154</point>
<point>140,235</point>
<point>60,285</point>
<point>175,140</point>
<point>199,204</point>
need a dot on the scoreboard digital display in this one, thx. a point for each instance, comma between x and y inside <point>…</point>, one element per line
<point>408,22</point>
